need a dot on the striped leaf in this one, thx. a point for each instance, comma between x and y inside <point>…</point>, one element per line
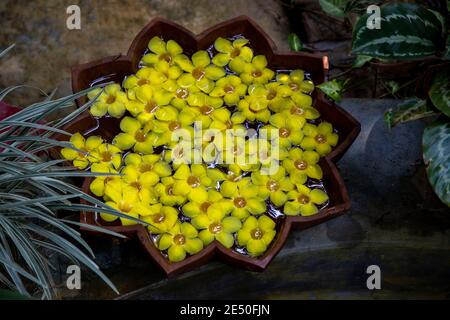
<point>409,110</point>
<point>334,8</point>
<point>440,91</point>
<point>436,154</point>
<point>407,31</point>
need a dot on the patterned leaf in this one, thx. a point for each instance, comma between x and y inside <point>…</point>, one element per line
<point>294,42</point>
<point>440,91</point>
<point>333,89</point>
<point>436,154</point>
<point>407,31</point>
<point>409,110</point>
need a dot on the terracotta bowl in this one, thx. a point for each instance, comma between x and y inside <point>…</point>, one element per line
<point>116,68</point>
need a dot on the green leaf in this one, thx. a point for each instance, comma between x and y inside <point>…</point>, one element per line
<point>407,31</point>
<point>334,8</point>
<point>409,110</point>
<point>334,89</point>
<point>361,60</point>
<point>295,43</point>
<point>436,154</point>
<point>440,91</point>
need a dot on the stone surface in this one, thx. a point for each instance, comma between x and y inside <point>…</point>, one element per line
<point>46,50</point>
<point>395,222</point>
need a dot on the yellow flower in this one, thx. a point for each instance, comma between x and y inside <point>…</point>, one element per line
<point>162,51</point>
<point>193,208</point>
<point>161,218</point>
<point>148,163</point>
<point>135,135</point>
<point>144,77</point>
<point>230,50</point>
<point>101,183</point>
<point>112,100</point>
<point>142,182</point>
<point>273,186</point>
<point>106,155</point>
<point>254,106</point>
<point>277,95</point>
<point>320,138</point>
<point>191,182</point>
<point>301,165</point>
<point>124,199</point>
<point>256,235</point>
<point>245,197</point>
<point>181,239</point>
<point>303,201</point>
<point>148,101</point>
<point>164,190</point>
<point>289,128</point>
<point>181,90</point>
<point>174,123</point>
<point>230,88</point>
<point>82,158</point>
<point>300,105</point>
<point>255,72</point>
<point>296,81</point>
<point>200,71</point>
<point>218,228</point>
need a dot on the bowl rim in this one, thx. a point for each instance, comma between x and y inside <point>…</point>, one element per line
<point>215,248</point>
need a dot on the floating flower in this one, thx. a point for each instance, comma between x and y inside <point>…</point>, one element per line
<point>181,239</point>
<point>230,50</point>
<point>320,138</point>
<point>167,131</point>
<point>245,197</point>
<point>101,183</point>
<point>148,163</point>
<point>256,234</point>
<point>82,158</point>
<point>230,88</point>
<point>200,71</point>
<point>296,81</point>
<point>161,218</point>
<point>218,228</point>
<point>193,208</point>
<point>142,182</point>
<point>125,199</point>
<point>112,100</point>
<point>303,201</point>
<point>289,128</point>
<point>181,90</point>
<point>191,182</point>
<point>277,95</point>
<point>106,155</point>
<point>135,136</point>
<point>164,190</point>
<point>148,101</point>
<point>144,77</point>
<point>255,72</point>
<point>302,164</point>
<point>300,106</point>
<point>273,186</point>
<point>162,51</point>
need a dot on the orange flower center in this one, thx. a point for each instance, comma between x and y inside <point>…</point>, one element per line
<point>205,205</point>
<point>145,167</point>
<point>303,199</point>
<point>158,218</point>
<point>140,136</point>
<point>150,106</point>
<point>256,233</point>
<point>239,202</point>
<point>301,164</point>
<point>206,110</point>
<point>166,57</point>
<point>271,94</point>
<point>198,73</point>
<point>272,185</point>
<point>136,184</point>
<point>235,53</point>
<point>193,181</point>
<point>228,89</point>
<point>174,125</point>
<point>215,227</point>
<point>182,93</point>
<point>141,82</point>
<point>257,73</point>
<point>284,132</point>
<point>110,99</point>
<point>320,138</point>
<point>294,86</point>
<point>179,239</point>
<point>106,156</point>
<point>297,110</point>
<point>169,190</point>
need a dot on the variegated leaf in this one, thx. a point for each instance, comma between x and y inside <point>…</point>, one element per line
<point>440,91</point>
<point>411,109</point>
<point>334,8</point>
<point>407,31</point>
<point>436,154</point>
